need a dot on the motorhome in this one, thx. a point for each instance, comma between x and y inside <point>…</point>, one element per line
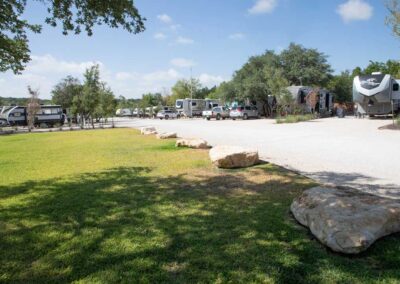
<point>194,107</point>
<point>47,115</point>
<point>376,94</point>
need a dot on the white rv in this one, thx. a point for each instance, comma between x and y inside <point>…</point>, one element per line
<point>47,115</point>
<point>194,107</point>
<point>376,94</point>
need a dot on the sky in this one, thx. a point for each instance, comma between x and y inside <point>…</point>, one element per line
<point>212,37</point>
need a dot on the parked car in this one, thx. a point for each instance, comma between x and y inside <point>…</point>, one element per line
<point>167,114</point>
<point>217,113</point>
<point>244,112</point>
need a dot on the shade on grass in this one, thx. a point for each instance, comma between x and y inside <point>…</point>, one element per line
<point>113,206</point>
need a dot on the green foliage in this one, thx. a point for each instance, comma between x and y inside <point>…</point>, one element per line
<point>305,66</point>
<point>152,99</point>
<point>65,91</point>
<point>71,15</point>
<point>393,19</point>
<point>391,67</point>
<point>342,86</point>
<point>183,89</point>
<point>295,118</point>
<point>94,100</point>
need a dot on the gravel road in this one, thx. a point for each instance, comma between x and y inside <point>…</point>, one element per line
<point>342,152</point>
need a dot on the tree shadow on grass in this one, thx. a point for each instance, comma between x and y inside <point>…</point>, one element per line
<point>129,225</point>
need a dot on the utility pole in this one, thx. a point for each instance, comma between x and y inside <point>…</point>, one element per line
<point>191,93</point>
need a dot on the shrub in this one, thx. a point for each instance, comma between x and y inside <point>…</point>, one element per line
<point>295,118</point>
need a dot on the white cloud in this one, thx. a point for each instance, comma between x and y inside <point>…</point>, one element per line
<point>182,62</point>
<point>46,71</point>
<point>237,36</point>
<point>184,40</point>
<point>160,36</point>
<point>165,18</point>
<point>210,80</point>
<point>355,10</point>
<point>49,64</point>
<point>263,6</point>
<point>175,27</point>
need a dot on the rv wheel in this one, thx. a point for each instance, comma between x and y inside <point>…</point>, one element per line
<point>218,116</point>
<point>245,116</point>
<point>166,117</point>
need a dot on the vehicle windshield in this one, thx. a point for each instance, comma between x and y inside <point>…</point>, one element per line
<point>179,104</point>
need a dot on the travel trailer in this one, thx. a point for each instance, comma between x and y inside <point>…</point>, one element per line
<point>311,100</point>
<point>376,94</point>
<point>47,115</point>
<point>194,107</point>
<point>124,112</point>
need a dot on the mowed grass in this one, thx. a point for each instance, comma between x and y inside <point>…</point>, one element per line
<point>111,206</point>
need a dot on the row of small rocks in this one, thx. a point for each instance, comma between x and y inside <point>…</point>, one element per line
<point>226,157</point>
<point>346,220</point>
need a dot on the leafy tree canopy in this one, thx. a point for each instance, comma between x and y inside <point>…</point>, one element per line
<point>305,66</point>
<point>72,15</point>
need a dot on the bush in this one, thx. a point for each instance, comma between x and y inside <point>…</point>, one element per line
<point>295,118</point>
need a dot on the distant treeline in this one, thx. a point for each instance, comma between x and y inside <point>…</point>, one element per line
<point>9,101</point>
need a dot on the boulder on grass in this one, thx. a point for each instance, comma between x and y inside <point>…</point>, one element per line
<point>229,157</point>
<point>192,143</point>
<point>346,220</point>
<point>148,130</point>
<point>167,135</point>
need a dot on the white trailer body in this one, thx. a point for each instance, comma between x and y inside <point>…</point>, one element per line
<point>376,94</point>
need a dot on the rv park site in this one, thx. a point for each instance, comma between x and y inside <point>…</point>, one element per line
<point>140,143</point>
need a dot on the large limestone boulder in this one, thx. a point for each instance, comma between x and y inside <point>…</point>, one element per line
<point>192,143</point>
<point>167,135</point>
<point>346,220</point>
<point>149,130</point>
<point>229,157</point>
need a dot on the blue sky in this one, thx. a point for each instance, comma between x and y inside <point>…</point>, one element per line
<point>215,38</point>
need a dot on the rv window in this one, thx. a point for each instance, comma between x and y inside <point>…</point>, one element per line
<point>55,110</point>
<point>194,103</point>
<point>247,108</point>
<point>395,87</point>
<point>47,111</point>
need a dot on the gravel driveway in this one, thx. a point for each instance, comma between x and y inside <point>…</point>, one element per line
<point>344,152</point>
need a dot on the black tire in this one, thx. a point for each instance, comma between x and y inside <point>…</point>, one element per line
<point>208,118</point>
<point>245,116</point>
<point>218,116</point>
<point>166,117</point>
<point>233,118</point>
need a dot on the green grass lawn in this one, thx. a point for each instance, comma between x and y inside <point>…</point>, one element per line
<point>110,206</point>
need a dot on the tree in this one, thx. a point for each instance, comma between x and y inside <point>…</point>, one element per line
<point>106,104</point>
<point>393,19</point>
<point>33,107</point>
<point>183,89</point>
<point>65,91</point>
<point>72,15</point>
<point>303,66</point>
<point>251,82</point>
<point>342,86</point>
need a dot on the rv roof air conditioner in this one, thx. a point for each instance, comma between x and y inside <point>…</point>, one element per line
<point>376,73</point>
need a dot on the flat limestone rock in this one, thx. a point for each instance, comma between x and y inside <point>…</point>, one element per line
<point>149,130</point>
<point>194,143</point>
<point>229,157</point>
<point>346,220</point>
<point>167,135</point>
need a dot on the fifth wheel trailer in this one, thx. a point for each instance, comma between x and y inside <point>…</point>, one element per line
<point>376,94</point>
